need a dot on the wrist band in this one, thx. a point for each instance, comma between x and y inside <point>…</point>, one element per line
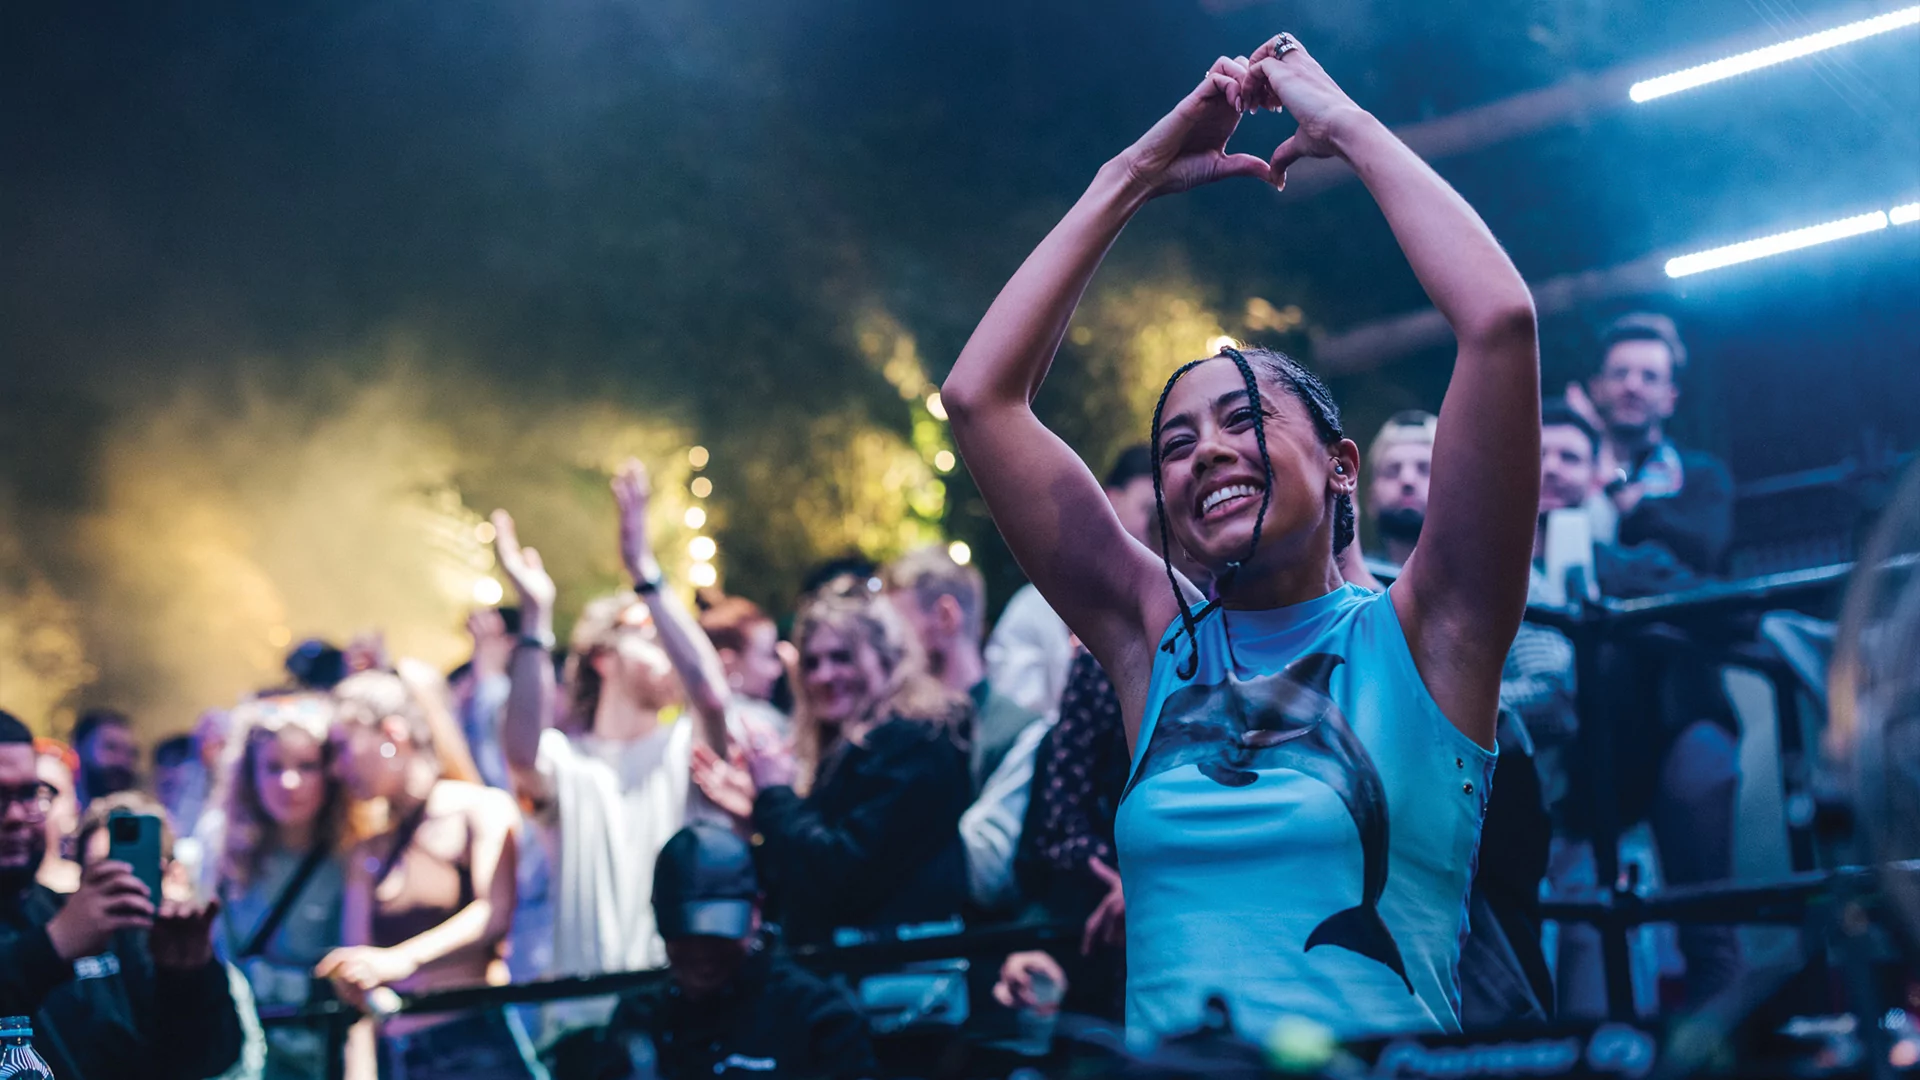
<point>543,642</point>
<point>650,583</point>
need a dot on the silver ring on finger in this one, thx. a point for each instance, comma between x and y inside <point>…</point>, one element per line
<point>1284,44</point>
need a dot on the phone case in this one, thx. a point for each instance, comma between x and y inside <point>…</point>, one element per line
<point>141,851</point>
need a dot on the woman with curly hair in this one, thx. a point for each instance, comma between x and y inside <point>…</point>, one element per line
<point>276,862</point>
<point>863,828</point>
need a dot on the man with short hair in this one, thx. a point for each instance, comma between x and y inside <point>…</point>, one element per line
<point>1651,490</point>
<point>119,983</point>
<point>109,754</point>
<point>735,1005</point>
<point>1398,462</point>
<point>945,603</point>
<point>1031,648</point>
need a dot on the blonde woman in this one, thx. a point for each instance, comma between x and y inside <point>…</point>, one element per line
<point>864,830</point>
<point>429,899</point>
<point>276,861</point>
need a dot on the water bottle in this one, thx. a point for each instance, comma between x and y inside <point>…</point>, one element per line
<point>17,1058</point>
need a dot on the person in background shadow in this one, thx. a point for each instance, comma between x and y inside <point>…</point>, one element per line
<point>109,754</point>
<point>735,1006</point>
<point>1649,490</point>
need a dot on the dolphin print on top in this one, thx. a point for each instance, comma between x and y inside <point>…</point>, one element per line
<point>1289,720</point>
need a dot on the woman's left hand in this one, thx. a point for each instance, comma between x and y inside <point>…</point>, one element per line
<point>728,783</point>
<point>1296,83</point>
<point>363,967</point>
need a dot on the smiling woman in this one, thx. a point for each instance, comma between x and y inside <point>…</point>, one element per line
<point>1310,764</point>
<point>867,833</point>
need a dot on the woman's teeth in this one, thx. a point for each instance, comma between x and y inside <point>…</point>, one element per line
<point>1232,491</point>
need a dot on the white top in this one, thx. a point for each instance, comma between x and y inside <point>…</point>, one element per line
<point>614,805</point>
<point>990,829</point>
<point>1029,652</point>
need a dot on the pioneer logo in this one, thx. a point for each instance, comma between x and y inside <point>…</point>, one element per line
<point>1613,1050</point>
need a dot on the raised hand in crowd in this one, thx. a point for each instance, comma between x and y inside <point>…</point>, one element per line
<point>1187,148</point>
<point>702,676</point>
<point>528,574</point>
<point>110,899</point>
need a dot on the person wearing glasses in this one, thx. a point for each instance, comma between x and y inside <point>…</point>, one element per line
<point>106,1002</point>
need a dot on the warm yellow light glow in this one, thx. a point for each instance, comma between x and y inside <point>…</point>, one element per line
<point>697,457</point>
<point>935,407</point>
<point>696,517</point>
<point>703,575</point>
<point>701,487</point>
<point>487,592</point>
<point>279,637</point>
<point>702,548</point>
<point>483,532</point>
<point>1222,341</point>
<point>943,461</point>
<point>960,552</point>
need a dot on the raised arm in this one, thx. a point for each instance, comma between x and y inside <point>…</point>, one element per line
<point>530,671</point>
<point>1463,591</point>
<point>686,645</point>
<point>1049,507</point>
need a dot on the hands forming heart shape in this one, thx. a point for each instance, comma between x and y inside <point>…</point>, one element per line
<point>1187,148</point>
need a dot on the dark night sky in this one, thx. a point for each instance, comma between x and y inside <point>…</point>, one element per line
<point>676,206</point>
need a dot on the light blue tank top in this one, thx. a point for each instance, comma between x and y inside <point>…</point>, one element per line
<point>1299,831</point>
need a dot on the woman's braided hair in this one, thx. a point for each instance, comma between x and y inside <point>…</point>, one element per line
<point>1320,406</point>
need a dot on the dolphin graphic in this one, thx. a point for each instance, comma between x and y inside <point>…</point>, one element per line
<point>1232,729</point>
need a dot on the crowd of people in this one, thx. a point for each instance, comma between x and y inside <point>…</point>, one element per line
<point>1184,738</point>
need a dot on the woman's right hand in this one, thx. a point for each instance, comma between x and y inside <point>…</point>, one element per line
<point>727,783</point>
<point>528,574</point>
<point>1187,148</point>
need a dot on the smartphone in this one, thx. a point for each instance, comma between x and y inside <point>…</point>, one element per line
<point>134,839</point>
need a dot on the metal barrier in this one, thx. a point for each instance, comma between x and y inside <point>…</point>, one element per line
<point>886,949</point>
<point>1592,625</point>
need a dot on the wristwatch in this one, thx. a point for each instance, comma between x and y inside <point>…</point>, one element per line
<point>1619,481</point>
<point>543,642</point>
<point>649,582</point>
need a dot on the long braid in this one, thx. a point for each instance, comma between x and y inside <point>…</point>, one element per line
<point>1192,663</point>
<point>1266,463</point>
<point>1321,408</point>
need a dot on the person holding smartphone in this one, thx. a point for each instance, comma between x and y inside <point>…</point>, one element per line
<point>121,983</point>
